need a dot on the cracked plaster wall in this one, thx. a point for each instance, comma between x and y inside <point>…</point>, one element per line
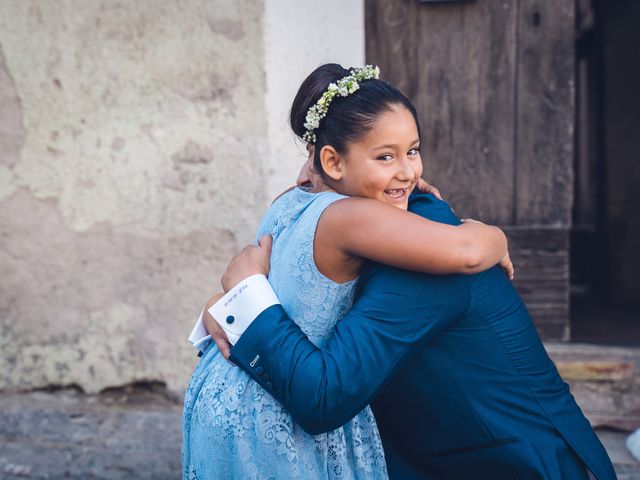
<point>136,155</point>
<point>127,179</point>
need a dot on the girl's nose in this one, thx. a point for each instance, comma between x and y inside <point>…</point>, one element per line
<point>405,170</point>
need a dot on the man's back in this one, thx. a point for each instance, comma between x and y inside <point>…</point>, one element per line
<point>482,399</point>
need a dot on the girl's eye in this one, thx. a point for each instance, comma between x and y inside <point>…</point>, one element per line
<point>414,151</point>
<point>385,157</point>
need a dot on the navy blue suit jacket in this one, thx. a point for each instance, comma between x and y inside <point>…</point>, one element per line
<point>459,381</point>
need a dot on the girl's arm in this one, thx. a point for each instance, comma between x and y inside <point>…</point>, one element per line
<point>371,229</point>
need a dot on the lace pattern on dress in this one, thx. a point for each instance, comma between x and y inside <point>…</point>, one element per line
<point>232,427</point>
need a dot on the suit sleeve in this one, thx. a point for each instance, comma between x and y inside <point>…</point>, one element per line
<point>323,388</point>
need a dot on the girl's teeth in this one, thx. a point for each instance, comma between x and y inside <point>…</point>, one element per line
<point>396,192</point>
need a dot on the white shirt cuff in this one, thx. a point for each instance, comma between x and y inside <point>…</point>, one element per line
<point>199,336</point>
<point>237,309</point>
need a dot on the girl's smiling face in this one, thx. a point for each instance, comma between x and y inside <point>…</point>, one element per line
<point>384,164</point>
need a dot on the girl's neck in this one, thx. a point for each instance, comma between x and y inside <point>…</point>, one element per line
<point>321,187</point>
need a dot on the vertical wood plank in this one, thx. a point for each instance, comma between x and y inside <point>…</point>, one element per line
<point>466,67</point>
<point>545,112</point>
<point>390,41</point>
<point>544,119</point>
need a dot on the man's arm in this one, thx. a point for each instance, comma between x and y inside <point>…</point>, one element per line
<point>325,387</point>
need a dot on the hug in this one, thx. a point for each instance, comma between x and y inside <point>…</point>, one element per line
<point>370,333</point>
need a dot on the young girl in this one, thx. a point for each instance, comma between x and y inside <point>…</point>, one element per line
<point>366,147</point>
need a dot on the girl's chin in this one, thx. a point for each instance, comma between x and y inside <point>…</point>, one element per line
<point>404,205</point>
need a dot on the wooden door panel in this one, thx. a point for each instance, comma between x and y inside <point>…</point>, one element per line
<point>465,95</point>
<point>545,112</point>
<point>391,32</point>
<point>461,81</point>
<point>493,85</point>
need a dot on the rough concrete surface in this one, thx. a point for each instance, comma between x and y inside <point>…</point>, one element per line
<point>69,435</point>
<point>627,467</point>
<point>130,433</point>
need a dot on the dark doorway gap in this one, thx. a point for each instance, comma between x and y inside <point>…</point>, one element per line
<point>605,236</point>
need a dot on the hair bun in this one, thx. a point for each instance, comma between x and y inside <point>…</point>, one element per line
<point>310,92</point>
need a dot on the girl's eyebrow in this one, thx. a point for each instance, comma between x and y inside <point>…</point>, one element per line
<point>393,145</point>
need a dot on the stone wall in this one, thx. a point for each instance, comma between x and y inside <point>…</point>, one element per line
<point>137,154</point>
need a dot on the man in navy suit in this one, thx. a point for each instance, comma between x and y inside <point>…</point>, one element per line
<point>459,381</point>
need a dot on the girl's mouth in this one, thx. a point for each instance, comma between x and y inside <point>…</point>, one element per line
<point>396,193</point>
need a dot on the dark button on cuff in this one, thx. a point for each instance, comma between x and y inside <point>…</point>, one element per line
<point>265,377</point>
<point>259,370</point>
<point>230,319</point>
<point>269,386</point>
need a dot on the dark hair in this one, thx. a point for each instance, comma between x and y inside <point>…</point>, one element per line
<point>348,118</point>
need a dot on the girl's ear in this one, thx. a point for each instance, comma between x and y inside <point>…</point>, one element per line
<point>331,162</point>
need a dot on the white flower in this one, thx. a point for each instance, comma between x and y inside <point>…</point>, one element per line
<point>344,87</point>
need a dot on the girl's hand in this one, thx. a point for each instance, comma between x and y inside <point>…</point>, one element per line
<point>505,263</point>
<point>305,175</point>
<point>251,260</point>
<point>507,266</point>
<point>308,176</point>
<point>426,187</point>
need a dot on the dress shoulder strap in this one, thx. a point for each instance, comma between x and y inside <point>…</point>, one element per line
<point>298,207</point>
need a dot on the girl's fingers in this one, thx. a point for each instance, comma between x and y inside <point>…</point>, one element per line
<point>426,187</point>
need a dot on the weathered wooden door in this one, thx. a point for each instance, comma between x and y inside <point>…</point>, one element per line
<point>493,83</point>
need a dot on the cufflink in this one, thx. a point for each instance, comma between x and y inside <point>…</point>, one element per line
<point>230,319</point>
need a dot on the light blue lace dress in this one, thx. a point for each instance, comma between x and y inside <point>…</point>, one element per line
<point>232,427</point>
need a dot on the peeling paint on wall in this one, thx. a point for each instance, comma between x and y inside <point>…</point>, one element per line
<point>11,128</point>
<point>99,308</point>
<point>131,145</point>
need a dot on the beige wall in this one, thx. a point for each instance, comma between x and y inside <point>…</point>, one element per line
<point>139,145</point>
<point>300,35</point>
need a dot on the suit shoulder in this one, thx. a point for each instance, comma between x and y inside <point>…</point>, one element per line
<point>428,206</point>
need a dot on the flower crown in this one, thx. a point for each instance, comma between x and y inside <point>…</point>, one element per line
<point>343,87</point>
